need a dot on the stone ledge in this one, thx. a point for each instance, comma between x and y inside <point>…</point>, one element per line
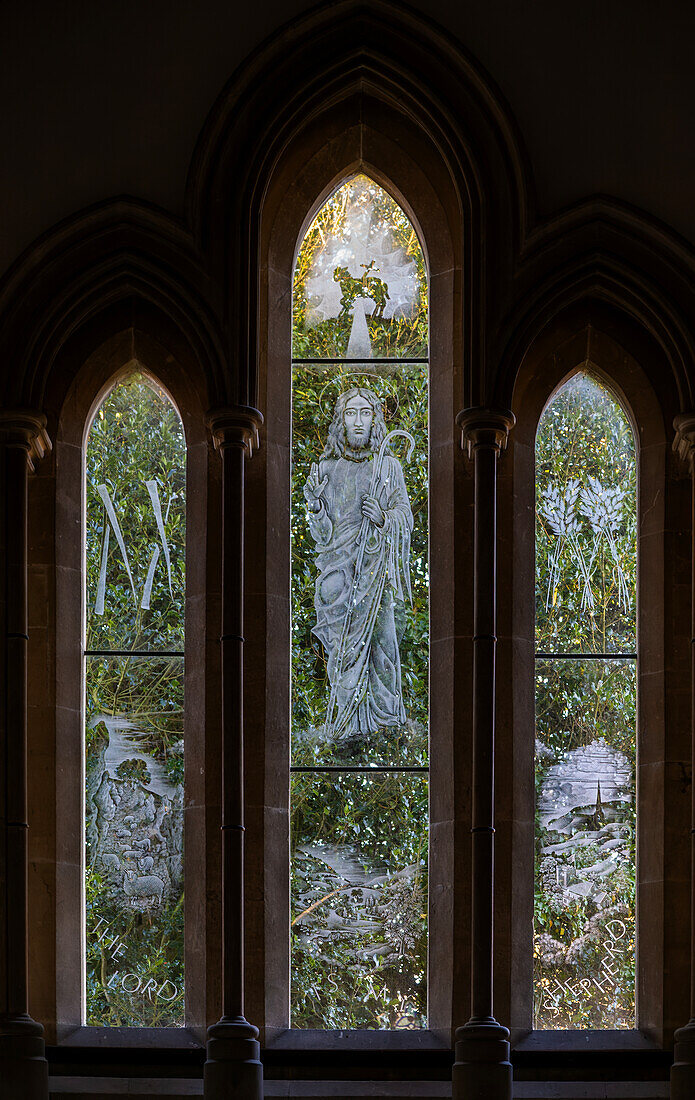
<point>137,1088</point>
<point>591,1090</point>
<point>356,1090</point>
<point>96,1088</point>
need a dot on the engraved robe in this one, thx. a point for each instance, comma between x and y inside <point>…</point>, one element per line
<point>355,614</point>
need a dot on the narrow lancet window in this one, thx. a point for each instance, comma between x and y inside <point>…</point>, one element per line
<point>360,617</point>
<point>135,586</point>
<point>586,555</point>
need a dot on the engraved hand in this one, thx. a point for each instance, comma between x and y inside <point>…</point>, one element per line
<point>373,511</point>
<point>314,489</point>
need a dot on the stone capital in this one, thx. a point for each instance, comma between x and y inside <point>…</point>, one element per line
<point>684,439</point>
<point>485,427</point>
<point>25,429</point>
<point>235,426</point>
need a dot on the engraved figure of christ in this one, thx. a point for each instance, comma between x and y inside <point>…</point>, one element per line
<point>361,522</point>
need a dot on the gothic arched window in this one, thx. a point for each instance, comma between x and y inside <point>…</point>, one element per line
<point>360,617</point>
<point>134,688</point>
<point>586,557</point>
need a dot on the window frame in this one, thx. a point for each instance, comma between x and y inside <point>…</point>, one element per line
<point>581,655</point>
<point>143,653</point>
<point>583,347</point>
<point>511,271</point>
<point>119,356</point>
<point>378,772</point>
<point>287,215</point>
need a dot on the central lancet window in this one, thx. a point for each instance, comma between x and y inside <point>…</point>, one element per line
<point>586,558</point>
<point>133,672</point>
<point>360,617</point>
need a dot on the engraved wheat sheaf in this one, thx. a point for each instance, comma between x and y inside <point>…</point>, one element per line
<point>559,508</point>
<point>603,508</point>
<point>566,510</point>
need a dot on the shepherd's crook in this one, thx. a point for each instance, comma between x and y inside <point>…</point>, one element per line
<point>361,548</point>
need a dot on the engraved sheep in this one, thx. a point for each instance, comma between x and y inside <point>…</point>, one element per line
<point>145,888</point>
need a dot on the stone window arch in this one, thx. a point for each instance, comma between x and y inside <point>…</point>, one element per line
<point>288,211</point>
<point>590,351</point>
<point>135,357</point>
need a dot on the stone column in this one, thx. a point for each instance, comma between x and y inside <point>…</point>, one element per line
<point>683,1068</point>
<point>23,1065</point>
<point>233,1067</point>
<point>482,1070</point>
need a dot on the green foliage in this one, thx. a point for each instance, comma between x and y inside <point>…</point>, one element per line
<point>337,983</point>
<point>359,913</point>
<point>394,336</point>
<point>584,434</point>
<point>130,957</point>
<point>359,842</point>
<point>136,436</point>
<point>578,701</point>
<point>403,393</point>
<point>584,957</point>
<point>146,690</point>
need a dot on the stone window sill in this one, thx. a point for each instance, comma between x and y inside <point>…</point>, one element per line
<point>295,1040</point>
<point>147,1038</point>
<point>574,1042</point>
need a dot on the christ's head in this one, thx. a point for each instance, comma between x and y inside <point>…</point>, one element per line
<point>357,427</point>
<point>358,415</point>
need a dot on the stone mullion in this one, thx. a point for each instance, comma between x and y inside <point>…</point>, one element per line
<point>231,659</point>
<point>24,1071</point>
<point>233,1066</point>
<point>683,1069</point>
<point>15,580</point>
<point>482,1070</point>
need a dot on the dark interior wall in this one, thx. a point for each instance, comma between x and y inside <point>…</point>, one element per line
<point>108,98</point>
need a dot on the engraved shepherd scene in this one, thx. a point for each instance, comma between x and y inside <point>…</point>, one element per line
<point>584,923</point>
<point>360,519</point>
<point>135,473</point>
<point>360,617</point>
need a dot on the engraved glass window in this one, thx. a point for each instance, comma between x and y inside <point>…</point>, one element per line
<point>586,555</point>
<point>360,617</point>
<point>135,587</point>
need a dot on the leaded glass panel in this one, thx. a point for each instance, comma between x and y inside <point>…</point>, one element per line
<point>584,943</point>
<point>360,607</point>
<point>136,521</point>
<point>360,283</point>
<point>134,689</point>
<point>359,901</point>
<point>586,549</point>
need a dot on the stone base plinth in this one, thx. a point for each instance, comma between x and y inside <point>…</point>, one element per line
<point>683,1068</point>
<point>233,1070</point>
<point>482,1070</point>
<point>23,1065</point>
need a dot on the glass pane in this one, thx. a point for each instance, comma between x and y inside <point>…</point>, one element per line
<point>360,283</point>
<point>134,841</point>
<point>136,521</point>
<point>359,901</point>
<point>584,943</point>
<point>360,586</point>
<point>586,549</point>
<point>360,616</point>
